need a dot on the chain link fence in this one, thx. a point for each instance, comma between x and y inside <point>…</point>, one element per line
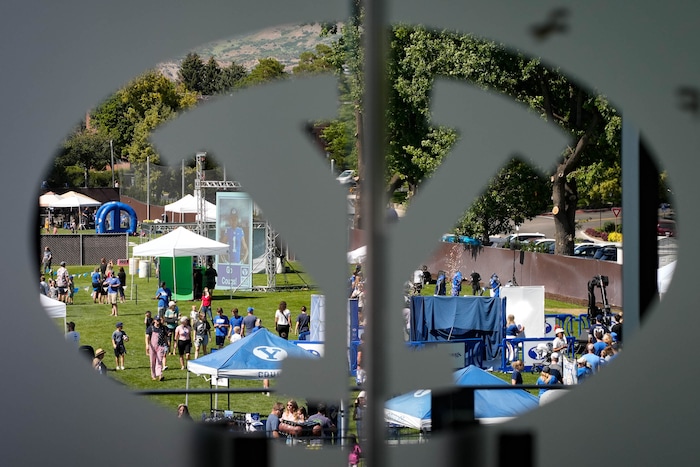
<point>81,250</point>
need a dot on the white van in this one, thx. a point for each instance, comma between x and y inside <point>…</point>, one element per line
<point>524,237</point>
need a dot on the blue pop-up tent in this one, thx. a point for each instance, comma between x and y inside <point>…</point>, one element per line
<point>413,409</point>
<point>256,356</point>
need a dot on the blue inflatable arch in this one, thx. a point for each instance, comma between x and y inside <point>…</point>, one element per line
<point>109,218</point>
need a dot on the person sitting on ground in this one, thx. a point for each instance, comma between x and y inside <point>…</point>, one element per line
<point>97,362</point>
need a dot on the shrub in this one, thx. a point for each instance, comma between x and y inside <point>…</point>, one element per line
<point>609,227</point>
<point>615,237</point>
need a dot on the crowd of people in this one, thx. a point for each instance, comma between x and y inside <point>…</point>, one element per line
<point>604,344</point>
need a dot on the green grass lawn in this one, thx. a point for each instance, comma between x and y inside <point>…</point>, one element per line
<point>95,325</point>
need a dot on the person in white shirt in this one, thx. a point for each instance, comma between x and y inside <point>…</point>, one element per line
<point>72,335</point>
<point>282,319</point>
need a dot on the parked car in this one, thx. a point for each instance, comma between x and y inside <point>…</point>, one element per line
<point>453,238</point>
<point>606,253</point>
<point>522,238</point>
<point>586,250</point>
<point>346,176</point>
<point>545,245</point>
<point>666,228</point>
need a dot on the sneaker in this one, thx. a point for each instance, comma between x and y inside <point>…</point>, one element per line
<point>122,367</point>
<point>165,367</point>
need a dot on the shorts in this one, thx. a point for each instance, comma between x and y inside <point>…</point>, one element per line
<point>112,298</point>
<point>95,286</point>
<point>201,341</point>
<point>184,347</point>
<point>119,350</point>
<point>62,290</point>
<point>220,340</point>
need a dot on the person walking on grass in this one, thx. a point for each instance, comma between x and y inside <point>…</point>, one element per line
<point>202,330</point>
<point>119,338</point>
<point>282,320</point>
<point>183,337</point>
<point>156,347</point>
<point>113,292</point>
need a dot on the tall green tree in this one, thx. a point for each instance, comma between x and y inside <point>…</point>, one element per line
<point>232,76</point>
<point>321,60</point>
<point>119,116</point>
<point>267,69</point>
<point>191,73</point>
<point>211,77</point>
<point>85,149</point>
<point>518,192</point>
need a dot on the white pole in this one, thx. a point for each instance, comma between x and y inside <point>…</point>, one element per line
<point>111,151</point>
<point>148,187</point>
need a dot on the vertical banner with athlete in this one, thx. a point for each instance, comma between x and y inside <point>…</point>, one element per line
<point>234,221</point>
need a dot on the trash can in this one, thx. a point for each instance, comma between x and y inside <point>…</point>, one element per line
<point>133,266</point>
<point>144,268</point>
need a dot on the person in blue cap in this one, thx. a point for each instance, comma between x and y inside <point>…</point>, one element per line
<point>248,322</point>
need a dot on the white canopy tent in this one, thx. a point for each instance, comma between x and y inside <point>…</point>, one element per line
<point>54,308</point>
<point>180,242</point>
<point>357,255</point>
<point>189,204</point>
<point>74,199</point>
<point>48,199</point>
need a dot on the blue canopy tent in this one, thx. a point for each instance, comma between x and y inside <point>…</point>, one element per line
<point>442,318</point>
<point>413,409</point>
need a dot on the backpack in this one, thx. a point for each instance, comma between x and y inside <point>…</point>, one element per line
<point>355,454</point>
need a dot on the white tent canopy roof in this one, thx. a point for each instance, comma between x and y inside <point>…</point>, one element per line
<point>73,199</point>
<point>181,242</point>
<point>54,308</point>
<point>189,204</point>
<point>48,199</point>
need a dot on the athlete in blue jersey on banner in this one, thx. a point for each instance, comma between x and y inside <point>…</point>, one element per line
<point>235,237</point>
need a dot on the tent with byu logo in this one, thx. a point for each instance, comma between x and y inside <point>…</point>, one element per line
<point>256,356</point>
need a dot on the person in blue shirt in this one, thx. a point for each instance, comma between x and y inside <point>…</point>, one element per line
<point>440,285</point>
<point>221,327</point>
<point>233,321</point>
<point>545,379</point>
<point>163,295</point>
<point>96,279</point>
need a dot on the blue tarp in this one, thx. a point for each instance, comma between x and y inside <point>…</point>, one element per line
<point>441,318</point>
<point>256,356</point>
<point>413,409</point>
